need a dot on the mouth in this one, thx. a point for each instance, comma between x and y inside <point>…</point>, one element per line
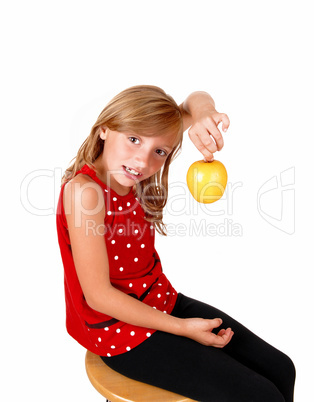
<point>132,172</point>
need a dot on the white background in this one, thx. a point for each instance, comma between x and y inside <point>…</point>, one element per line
<point>62,61</point>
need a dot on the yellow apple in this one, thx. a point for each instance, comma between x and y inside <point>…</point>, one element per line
<point>207,181</point>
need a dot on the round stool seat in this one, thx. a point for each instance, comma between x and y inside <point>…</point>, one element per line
<point>116,387</point>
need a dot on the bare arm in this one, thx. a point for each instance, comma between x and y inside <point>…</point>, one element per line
<point>83,204</point>
<point>194,102</point>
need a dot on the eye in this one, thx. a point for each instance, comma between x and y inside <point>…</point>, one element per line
<point>134,140</point>
<point>161,152</point>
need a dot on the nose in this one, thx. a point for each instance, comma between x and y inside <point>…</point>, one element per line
<point>141,159</point>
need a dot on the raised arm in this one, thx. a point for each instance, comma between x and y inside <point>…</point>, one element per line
<point>200,115</point>
<point>84,207</point>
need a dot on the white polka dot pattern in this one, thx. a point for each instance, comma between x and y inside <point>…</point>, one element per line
<point>135,269</point>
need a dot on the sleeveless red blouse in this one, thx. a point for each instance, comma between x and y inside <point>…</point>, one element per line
<point>135,269</point>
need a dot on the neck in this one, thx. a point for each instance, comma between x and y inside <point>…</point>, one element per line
<point>106,178</point>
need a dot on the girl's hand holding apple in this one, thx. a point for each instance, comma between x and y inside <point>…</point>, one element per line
<point>204,131</point>
<point>206,179</point>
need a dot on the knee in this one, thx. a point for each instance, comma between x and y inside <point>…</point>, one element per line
<point>290,369</point>
<point>286,370</point>
<point>281,386</point>
<point>265,390</point>
<point>290,375</point>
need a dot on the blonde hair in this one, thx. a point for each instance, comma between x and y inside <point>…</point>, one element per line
<point>145,110</point>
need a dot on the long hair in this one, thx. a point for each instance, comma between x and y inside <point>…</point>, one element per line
<point>145,110</point>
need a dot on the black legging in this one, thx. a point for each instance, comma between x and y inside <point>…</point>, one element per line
<point>246,370</point>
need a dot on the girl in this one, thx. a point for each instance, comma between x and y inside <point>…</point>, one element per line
<point>119,303</point>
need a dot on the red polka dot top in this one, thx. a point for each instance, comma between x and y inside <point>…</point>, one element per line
<point>135,269</point>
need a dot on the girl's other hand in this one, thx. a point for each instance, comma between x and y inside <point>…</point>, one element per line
<point>200,330</point>
<point>205,133</point>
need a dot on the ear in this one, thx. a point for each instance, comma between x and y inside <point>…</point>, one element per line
<point>103,132</point>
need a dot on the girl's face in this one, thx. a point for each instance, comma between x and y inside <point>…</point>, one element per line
<point>130,158</point>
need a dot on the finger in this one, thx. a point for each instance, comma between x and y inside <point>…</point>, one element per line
<point>219,342</point>
<point>204,136</point>
<point>225,122</point>
<point>225,338</point>
<point>221,339</point>
<point>211,126</point>
<point>208,155</point>
<point>229,337</point>
<point>216,322</point>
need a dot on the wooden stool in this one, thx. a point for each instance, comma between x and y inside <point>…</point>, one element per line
<point>116,387</point>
